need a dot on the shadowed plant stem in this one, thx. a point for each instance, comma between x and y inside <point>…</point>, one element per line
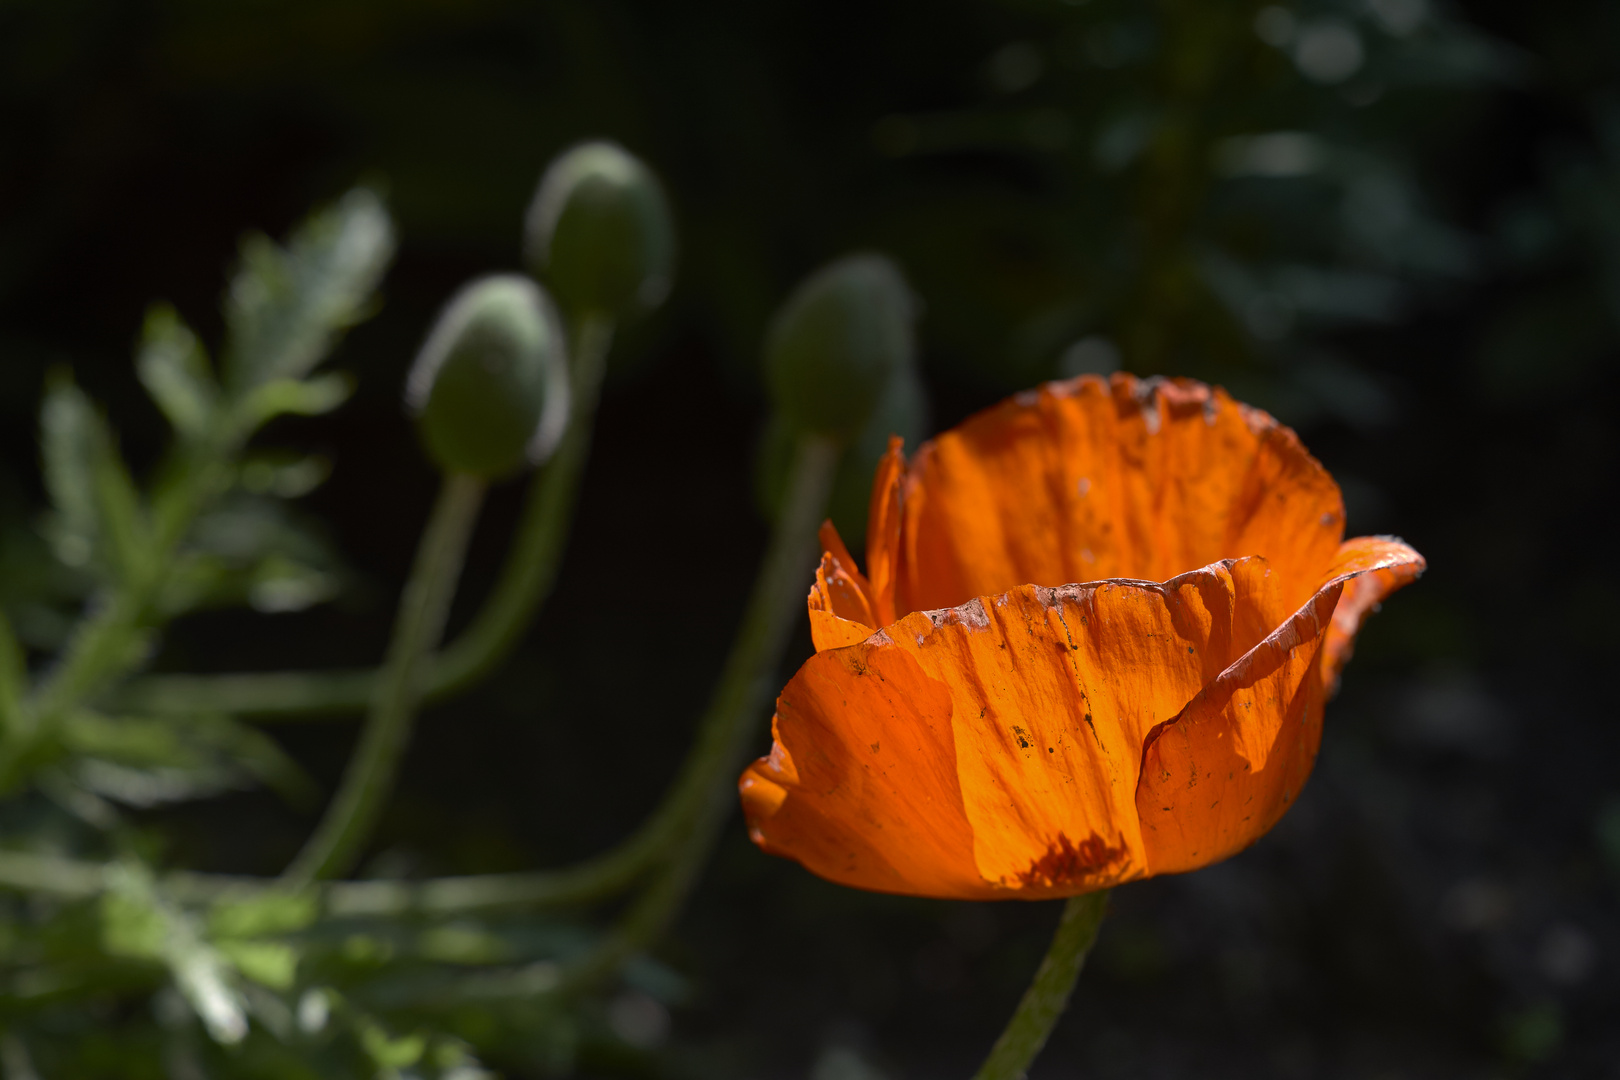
<point>677,837</point>
<point>525,581</point>
<point>527,576</point>
<point>695,810</point>
<point>679,833</point>
<point>423,607</point>
<point>112,639</point>
<point>1048,994</point>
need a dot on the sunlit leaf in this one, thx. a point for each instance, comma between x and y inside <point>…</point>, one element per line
<point>97,516</point>
<point>280,584</point>
<point>13,679</point>
<point>174,369</point>
<point>392,1052</point>
<point>284,475</point>
<point>462,943</point>
<point>306,397</point>
<point>261,914</point>
<point>252,549</point>
<point>204,978</point>
<point>70,434</point>
<point>141,761</point>
<point>41,594</point>
<point>272,963</point>
<point>137,922</point>
<point>131,925</point>
<point>286,305</point>
<point>155,785</point>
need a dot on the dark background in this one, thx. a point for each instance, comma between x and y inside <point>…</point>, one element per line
<point>1433,300</point>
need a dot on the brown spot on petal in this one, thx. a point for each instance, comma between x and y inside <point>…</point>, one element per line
<point>1068,863</point>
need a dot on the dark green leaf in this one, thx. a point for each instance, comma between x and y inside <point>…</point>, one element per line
<point>98,520</point>
<point>139,923</point>
<point>286,306</point>
<point>13,679</point>
<point>143,762</point>
<point>71,439</point>
<point>307,397</point>
<point>174,369</point>
<point>251,549</point>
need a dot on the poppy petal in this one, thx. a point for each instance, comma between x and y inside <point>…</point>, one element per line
<point>839,613</point>
<point>860,785</point>
<point>1397,565</point>
<point>833,545</point>
<point>1087,479</point>
<point>883,531</point>
<point>1219,775</point>
<point>994,749</point>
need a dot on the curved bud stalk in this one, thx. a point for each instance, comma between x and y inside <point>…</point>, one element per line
<point>903,410</point>
<point>1025,1035</point>
<point>600,233</point>
<point>423,608</point>
<point>286,308</point>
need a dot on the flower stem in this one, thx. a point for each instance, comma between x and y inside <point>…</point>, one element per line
<point>423,607</point>
<point>111,641</point>
<point>680,831</point>
<point>679,835</point>
<point>525,582</point>
<point>24,871</point>
<point>695,810</point>
<point>1048,994</point>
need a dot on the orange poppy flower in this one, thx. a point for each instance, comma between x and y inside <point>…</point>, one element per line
<point>1097,628</point>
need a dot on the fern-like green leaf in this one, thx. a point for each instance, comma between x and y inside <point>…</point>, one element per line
<point>97,521</point>
<point>145,762</point>
<point>287,305</point>
<point>174,369</point>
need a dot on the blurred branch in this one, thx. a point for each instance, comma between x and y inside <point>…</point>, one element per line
<point>70,879</point>
<point>680,833</point>
<point>1048,994</point>
<point>285,310</point>
<point>50,875</point>
<point>423,608</point>
<point>525,582</point>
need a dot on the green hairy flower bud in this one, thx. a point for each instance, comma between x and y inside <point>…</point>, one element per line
<point>599,231</point>
<point>489,389</point>
<point>902,410</point>
<point>835,345</point>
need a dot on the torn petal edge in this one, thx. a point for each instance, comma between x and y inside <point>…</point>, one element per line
<point>1361,597</point>
<point>1392,560</point>
<point>831,628</point>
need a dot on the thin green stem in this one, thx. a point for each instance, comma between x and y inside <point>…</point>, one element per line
<point>681,833</point>
<point>14,718</point>
<point>22,871</point>
<point>110,642</point>
<point>1048,994</point>
<point>52,875</point>
<point>528,576</point>
<point>103,644</point>
<point>525,582</point>
<point>15,1063</point>
<point>425,603</point>
<point>678,834</point>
